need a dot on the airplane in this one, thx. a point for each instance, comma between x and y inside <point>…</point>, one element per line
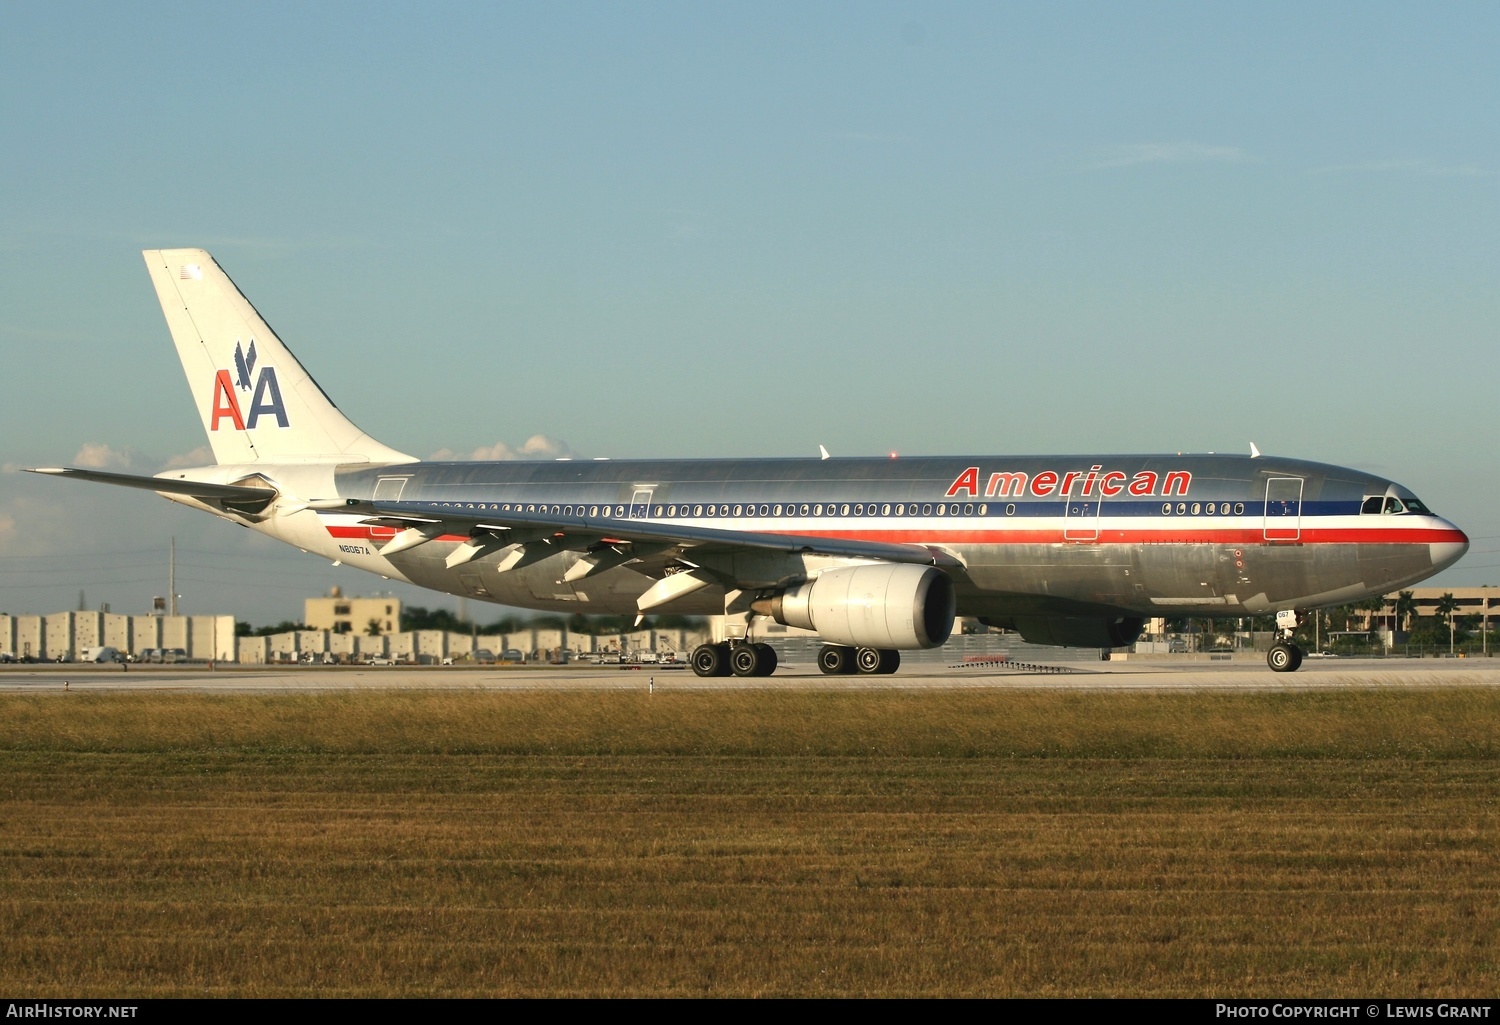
<point>876,555</point>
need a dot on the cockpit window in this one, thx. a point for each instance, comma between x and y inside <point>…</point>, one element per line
<point>1390,505</point>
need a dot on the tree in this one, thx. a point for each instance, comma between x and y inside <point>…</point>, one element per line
<point>1406,607</point>
<point>372,628</point>
<point>1445,606</point>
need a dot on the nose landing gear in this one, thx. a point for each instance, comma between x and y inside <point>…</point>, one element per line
<point>1285,656</point>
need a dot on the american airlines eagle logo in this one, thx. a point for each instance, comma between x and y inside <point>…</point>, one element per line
<point>262,388</point>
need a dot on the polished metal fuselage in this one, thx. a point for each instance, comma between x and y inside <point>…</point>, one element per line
<point>1034,535</point>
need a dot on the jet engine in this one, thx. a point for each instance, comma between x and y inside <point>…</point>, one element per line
<point>1073,631</point>
<point>884,605</point>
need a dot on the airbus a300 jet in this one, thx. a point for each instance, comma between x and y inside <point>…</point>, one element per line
<point>875,555</point>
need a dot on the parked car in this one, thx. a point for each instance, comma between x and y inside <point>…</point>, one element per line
<point>512,655</point>
<point>382,660</point>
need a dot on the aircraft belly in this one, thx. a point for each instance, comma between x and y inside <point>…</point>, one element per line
<point>1044,578</point>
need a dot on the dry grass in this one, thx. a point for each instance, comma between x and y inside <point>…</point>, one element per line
<point>750,843</point>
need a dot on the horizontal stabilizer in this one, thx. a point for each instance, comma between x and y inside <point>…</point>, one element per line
<point>165,485</point>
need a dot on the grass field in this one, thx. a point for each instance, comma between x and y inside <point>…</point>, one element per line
<point>739,843</point>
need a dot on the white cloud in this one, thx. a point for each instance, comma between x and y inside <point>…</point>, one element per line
<point>200,456</point>
<point>95,455</point>
<point>538,446</point>
<point>1173,153</point>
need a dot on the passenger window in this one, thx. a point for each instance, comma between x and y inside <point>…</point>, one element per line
<point>1166,508</point>
<point>1010,509</point>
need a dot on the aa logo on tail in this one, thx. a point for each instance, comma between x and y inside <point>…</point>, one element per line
<point>265,393</point>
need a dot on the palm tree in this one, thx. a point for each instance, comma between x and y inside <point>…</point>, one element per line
<point>1406,607</point>
<point>1445,607</point>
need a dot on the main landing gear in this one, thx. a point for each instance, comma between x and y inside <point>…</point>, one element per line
<point>734,659</point>
<point>838,660</point>
<point>1285,656</point>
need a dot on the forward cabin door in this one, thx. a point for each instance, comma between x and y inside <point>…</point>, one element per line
<point>1283,518</point>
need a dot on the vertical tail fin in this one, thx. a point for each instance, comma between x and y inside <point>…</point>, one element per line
<point>256,401</point>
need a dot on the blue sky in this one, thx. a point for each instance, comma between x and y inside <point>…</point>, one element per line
<point>718,229</point>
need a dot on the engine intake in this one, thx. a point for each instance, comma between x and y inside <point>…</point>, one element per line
<point>884,605</point>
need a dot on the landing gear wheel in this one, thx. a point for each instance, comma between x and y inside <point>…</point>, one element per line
<point>711,660</point>
<point>835,659</point>
<point>768,659</point>
<point>1283,657</point>
<point>877,661</point>
<point>752,660</point>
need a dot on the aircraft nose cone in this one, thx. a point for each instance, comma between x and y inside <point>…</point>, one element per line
<point>1448,551</point>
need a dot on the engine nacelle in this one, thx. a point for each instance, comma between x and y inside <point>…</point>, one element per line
<point>886,605</point>
<point>1073,631</point>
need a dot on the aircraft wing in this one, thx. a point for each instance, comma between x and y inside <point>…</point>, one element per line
<point>424,521</point>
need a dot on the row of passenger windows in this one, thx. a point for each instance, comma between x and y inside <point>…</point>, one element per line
<point>814,509</point>
<point>1206,509</point>
<point>829,509</point>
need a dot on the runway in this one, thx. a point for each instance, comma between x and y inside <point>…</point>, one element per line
<point>1161,673</point>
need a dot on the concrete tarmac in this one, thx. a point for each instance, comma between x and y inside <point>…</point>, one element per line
<point>1158,673</point>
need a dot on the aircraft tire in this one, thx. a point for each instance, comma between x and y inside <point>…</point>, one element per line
<point>868,660</point>
<point>1284,658</point>
<point>890,661</point>
<point>711,660</point>
<point>835,659</point>
<point>745,660</point>
<point>767,659</point>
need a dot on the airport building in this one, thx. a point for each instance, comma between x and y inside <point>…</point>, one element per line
<point>69,636</point>
<point>431,647</point>
<point>1480,602</point>
<point>338,614</point>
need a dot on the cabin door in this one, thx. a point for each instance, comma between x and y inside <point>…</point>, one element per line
<point>1283,518</point>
